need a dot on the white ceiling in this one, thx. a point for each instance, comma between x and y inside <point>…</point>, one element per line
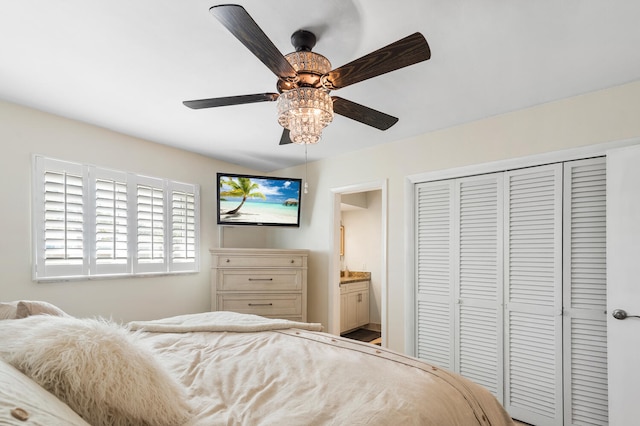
<point>127,65</point>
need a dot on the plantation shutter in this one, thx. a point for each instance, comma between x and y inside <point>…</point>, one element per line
<point>533,286</point>
<point>59,217</point>
<point>478,281</point>
<point>435,325</point>
<point>91,221</point>
<point>585,353</point>
<point>150,225</point>
<point>110,215</point>
<point>183,219</point>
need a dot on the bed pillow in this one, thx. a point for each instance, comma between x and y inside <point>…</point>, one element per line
<point>26,308</point>
<point>97,367</point>
<point>22,401</point>
<point>8,310</point>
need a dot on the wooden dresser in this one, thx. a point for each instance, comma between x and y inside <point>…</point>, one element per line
<point>267,282</point>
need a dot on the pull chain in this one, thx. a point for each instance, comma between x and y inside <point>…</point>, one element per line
<point>306,185</point>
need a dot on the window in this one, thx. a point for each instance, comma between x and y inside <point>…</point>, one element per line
<point>90,222</point>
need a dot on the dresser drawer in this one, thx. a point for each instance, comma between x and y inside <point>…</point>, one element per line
<point>259,280</point>
<point>283,261</point>
<point>268,305</point>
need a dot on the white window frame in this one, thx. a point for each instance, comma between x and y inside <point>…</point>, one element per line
<point>90,267</point>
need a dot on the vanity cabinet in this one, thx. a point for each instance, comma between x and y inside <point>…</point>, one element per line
<point>354,305</point>
<point>267,282</point>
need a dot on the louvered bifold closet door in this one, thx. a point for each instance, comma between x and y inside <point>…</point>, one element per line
<point>478,280</point>
<point>585,325</point>
<point>533,286</point>
<point>435,325</point>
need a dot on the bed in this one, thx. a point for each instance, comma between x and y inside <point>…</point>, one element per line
<point>219,368</point>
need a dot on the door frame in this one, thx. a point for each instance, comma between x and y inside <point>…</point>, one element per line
<point>334,263</point>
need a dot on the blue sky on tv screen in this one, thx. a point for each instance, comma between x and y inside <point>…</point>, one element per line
<point>275,190</point>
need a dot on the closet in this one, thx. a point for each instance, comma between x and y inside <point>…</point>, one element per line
<point>510,273</point>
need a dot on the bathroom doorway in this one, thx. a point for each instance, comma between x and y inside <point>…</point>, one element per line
<point>359,232</point>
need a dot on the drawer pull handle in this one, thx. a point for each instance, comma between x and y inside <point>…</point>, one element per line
<point>260,304</point>
<point>228,260</point>
<point>293,261</point>
<point>260,279</point>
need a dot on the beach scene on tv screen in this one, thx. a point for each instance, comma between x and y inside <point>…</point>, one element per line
<point>259,200</point>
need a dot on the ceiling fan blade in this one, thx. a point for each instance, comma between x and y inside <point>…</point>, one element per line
<point>285,139</point>
<point>404,52</point>
<point>231,100</point>
<point>236,19</point>
<point>363,114</point>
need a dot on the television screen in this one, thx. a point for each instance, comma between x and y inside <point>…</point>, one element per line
<point>258,200</point>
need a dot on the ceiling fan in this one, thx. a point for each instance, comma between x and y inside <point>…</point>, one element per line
<point>305,78</point>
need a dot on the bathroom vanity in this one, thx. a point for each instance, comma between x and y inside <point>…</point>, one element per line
<point>354,300</point>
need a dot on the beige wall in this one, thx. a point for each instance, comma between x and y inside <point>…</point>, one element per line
<point>363,245</point>
<point>24,132</point>
<point>604,116</point>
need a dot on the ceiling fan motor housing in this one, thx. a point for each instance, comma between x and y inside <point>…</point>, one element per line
<point>309,66</point>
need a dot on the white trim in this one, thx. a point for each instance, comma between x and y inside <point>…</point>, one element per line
<point>521,162</point>
<point>334,262</point>
<point>475,169</point>
<point>333,318</point>
<point>409,269</point>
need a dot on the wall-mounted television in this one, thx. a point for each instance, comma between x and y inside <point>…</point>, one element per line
<point>258,200</point>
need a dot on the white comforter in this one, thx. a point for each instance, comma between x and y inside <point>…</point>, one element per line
<point>292,376</point>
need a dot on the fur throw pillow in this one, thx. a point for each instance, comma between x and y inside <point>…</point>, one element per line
<point>97,367</point>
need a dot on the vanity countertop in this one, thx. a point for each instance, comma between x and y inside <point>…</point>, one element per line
<point>354,276</point>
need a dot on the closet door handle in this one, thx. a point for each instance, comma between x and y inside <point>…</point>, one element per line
<point>621,314</point>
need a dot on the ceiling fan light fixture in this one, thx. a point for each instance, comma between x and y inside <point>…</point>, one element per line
<point>305,111</point>
<point>312,62</point>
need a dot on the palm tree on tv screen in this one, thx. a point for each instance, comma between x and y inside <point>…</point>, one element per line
<point>242,188</point>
